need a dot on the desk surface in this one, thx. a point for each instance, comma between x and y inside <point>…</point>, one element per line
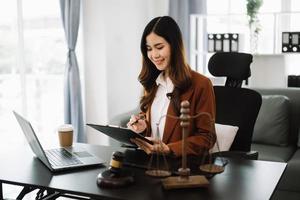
<point>242,179</point>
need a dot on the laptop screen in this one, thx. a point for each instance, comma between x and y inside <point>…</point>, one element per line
<point>32,138</point>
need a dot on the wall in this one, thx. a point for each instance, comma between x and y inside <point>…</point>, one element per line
<point>111,35</point>
<point>272,70</point>
<point>268,71</point>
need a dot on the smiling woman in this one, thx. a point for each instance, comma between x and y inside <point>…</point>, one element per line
<point>159,51</point>
<point>168,80</point>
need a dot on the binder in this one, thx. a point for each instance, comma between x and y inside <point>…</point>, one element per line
<point>120,134</point>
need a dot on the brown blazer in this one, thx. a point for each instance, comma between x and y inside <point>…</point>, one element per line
<point>201,130</point>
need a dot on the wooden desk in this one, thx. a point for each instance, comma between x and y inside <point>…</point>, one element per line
<point>242,179</point>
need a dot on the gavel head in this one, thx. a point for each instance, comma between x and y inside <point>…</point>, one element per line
<point>116,162</point>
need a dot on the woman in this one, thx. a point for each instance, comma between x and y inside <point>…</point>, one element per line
<point>168,80</point>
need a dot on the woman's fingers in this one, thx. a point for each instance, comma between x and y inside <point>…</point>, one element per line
<point>144,143</point>
<point>132,120</point>
<point>149,148</point>
<point>142,146</point>
<point>154,140</point>
<point>137,124</point>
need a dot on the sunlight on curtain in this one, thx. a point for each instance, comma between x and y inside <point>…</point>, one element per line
<point>31,66</point>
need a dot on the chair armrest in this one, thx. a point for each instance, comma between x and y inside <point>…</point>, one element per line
<point>249,155</point>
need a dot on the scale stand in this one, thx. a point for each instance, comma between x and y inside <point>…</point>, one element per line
<point>155,169</point>
<point>212,168</point>
<point>184,180</point>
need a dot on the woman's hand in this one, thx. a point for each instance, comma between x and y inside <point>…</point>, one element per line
<point>157,147</point>
<point>137,123</point>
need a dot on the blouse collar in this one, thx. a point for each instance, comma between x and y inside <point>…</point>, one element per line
<point>165,82</point>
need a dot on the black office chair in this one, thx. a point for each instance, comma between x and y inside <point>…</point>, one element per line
<point>235,105</point>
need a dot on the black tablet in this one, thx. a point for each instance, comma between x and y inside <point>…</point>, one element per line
<point>120,134</point>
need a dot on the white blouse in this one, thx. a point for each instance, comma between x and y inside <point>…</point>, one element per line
<point>160,105</point>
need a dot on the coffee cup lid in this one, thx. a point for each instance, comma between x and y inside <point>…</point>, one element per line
<point>65,128</point>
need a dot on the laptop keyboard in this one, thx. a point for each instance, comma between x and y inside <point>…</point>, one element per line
<point>61,157</point>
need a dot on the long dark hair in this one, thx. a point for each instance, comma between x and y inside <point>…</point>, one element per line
<point>179,72</point>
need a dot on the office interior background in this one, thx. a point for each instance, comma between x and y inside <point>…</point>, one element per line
<point>33,55</point>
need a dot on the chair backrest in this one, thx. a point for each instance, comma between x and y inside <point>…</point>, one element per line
<point>238,107</point>
<point>233,65</point>
<point>235,105</point>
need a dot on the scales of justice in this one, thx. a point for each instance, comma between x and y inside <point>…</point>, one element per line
<point>184,180</point>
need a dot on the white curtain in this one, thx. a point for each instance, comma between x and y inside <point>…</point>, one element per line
<point>70,11</point>
<point>180,10</point>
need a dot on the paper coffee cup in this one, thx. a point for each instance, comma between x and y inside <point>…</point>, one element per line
<point>65,135</point>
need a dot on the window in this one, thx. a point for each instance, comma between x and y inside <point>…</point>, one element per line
<point>229,16</point>
<point>295,5</point>
<point>271,6</point>
<point>32,63</point>
<point>226,6</point>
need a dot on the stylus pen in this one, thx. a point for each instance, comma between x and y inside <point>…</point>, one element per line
<point>136,121</point>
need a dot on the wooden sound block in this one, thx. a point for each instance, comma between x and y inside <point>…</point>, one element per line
<point>158,173</point>
<point>191,182</point>
<point>211,168</point>
<point>107,179</point>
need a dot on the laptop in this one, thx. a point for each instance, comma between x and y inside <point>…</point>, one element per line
<point>60,158</point>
